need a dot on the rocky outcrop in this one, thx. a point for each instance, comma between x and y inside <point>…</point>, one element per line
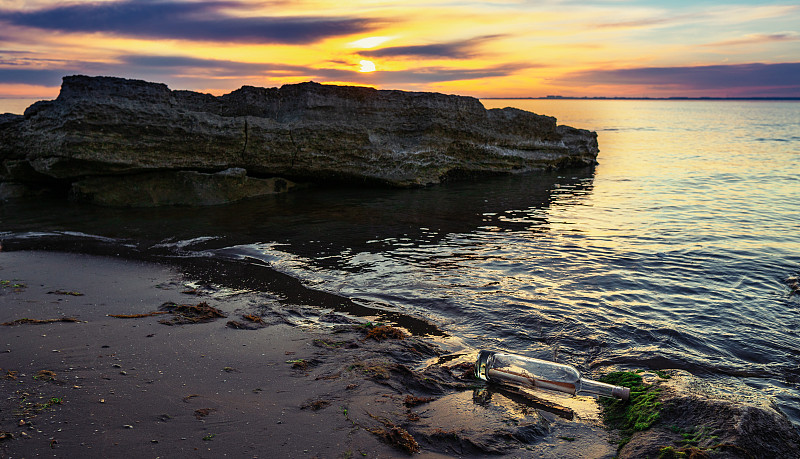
<point>696,420</point>
<point>104,127</point>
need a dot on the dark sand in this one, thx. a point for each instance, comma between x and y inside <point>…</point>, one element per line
<point>305,383</point>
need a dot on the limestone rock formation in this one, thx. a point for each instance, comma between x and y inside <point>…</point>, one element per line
<point>106,127</point>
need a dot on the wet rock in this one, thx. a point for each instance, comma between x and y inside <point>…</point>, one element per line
<point>14,190</point>
<point>695,419</point>
<point>794,284</point>
<point>103,133</point>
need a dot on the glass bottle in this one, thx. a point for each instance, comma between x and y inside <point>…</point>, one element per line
<point>541,374</point>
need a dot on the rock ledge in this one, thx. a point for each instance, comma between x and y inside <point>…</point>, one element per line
<point>102,128</point>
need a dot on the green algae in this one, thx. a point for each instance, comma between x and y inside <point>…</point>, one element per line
<point>662,374</point>
<point>638,413</point>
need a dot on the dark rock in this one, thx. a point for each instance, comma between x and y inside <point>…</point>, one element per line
<point>102,128</point>
<point>696,419</point>
<point>12,190</point>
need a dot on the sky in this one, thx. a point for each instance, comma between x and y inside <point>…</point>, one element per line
<point>503,48</point>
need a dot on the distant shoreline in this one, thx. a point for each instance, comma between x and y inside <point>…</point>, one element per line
<point>765,99</point>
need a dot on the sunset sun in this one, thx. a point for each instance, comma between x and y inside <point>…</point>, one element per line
<point>366,66</point>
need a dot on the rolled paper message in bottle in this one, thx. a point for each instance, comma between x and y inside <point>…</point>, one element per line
<point>532,373</point>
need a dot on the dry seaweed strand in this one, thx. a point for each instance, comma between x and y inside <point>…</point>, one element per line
<point>203,412</point>
<point>137,316</point>
<point>65,292</point>
<point>190,313</point>
<point>26,321</point>
<point>412,400</point>
<point>383,332</point>
<point>394,435</point>
<point>298,364</point>
<point>253,318</point>
<point>250,322</point>
<point>45,375</point>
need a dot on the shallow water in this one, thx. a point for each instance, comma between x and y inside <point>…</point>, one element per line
<point>673,253</point>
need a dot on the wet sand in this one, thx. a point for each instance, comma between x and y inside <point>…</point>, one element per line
<point>281,381</point>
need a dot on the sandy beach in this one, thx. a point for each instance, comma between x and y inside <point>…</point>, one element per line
<point>266,380</point>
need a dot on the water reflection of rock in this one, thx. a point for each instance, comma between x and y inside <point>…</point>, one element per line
<point>318,224</point>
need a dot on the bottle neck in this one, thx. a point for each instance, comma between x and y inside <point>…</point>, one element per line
<point>605,390</point>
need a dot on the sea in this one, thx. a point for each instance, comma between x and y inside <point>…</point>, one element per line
<point>676,251</point>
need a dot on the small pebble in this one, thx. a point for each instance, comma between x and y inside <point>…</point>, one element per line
<point>123,372</point>
<point>128,426</point>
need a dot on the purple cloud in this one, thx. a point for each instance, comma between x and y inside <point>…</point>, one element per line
<point>201,21</point>
<point>191,72</point>
<point>38,77</point>
<point>749,79</point>
<point>168,65</point>
<point>455,50</point>
<point>757,38</point>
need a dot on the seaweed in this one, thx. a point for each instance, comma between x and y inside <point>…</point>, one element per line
<point>662,374</point>
<point>16,287</point>
<point>394,435</point>
<point>190,314</point>
<point>688,452</point>
<point>27,321</point>
<point>253,318</point>
<point>65,292</point>
<point>137,316</point>
<point>638,413</point>
<point>298,364</point>
<point>30,408</point>
<point>45,375</point>
<point>329,344</point>
<point>379,370</point>
<point>412,400</point>
<point>203,412</point>
<point>250,322</point>
<point>384,332</point>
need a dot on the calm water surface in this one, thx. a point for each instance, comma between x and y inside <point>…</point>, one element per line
<point>673,253</point>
